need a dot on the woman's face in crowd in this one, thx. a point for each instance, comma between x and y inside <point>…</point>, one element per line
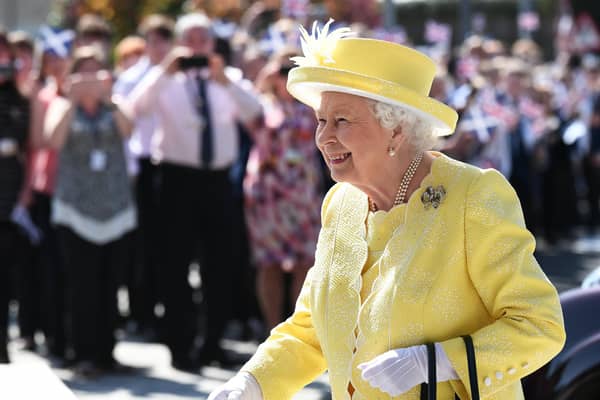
<point>55,66</point>
<point>89,66</point>
<point>350,138</point>
<point>157,46</point>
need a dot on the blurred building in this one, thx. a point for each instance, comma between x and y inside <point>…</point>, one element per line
<point>23,14</point>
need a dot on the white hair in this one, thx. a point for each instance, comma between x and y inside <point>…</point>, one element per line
<point>419,132</point>
<point>192,20</point>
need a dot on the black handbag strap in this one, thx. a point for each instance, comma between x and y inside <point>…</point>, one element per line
<point>428,391</point>
<point>431,372</point>
<point>472,367</point>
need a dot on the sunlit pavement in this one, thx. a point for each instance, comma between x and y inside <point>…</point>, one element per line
<point>151,377</point>
<point>566,264</point>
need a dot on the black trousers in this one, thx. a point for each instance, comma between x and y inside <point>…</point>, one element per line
<point>592,177</point>
<point>10,242</point>
<point>29,291</point>
<point>52,274</point>
<point>196,211</point>
<point>142,282</point>
<point>92,298</point>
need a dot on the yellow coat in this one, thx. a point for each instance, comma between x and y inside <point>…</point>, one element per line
<point>466,267</point>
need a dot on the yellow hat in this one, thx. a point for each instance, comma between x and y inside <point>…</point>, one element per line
<point>375,69</point>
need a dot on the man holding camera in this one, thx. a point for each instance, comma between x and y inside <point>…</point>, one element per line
<point>198,102</point>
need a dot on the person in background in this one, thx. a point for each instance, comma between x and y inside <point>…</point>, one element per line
<point>515,81</point>
<point>55,48</point>
<point>14,218</point>
<point>128,52</point>
<point>28,275</point>
<point>22,45</point>
<point>92,29</point>
<point>92,206</point>
<point>281,189</point>
<point>157,31</point>
<point>199,102</point>
<point>591,167</point>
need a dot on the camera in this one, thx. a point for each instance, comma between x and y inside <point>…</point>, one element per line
<point>193,62</point>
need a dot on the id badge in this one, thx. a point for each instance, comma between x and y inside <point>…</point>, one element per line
<point>98,160</point>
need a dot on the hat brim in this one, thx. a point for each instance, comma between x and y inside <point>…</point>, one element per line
<point>308,83</point>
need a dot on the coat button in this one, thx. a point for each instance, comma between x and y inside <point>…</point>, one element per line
<point>487,381</point>
<point>499,375</point>
<point>525,365</point>
<point>511,371</point>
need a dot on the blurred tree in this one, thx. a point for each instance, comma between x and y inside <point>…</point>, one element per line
<point>122,15</point>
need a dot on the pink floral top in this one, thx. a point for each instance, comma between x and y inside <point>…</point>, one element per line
<point>282,187</point>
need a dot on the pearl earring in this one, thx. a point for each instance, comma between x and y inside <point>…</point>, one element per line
<point>391,151</point>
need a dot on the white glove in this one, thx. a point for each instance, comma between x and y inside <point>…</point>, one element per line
<point>242,386</point>
<point>397,371</point>
<point>20,217</point>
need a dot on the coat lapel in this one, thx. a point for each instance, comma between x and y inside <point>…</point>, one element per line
<point>348,256</point>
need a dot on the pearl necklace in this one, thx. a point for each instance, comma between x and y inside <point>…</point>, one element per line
<point>404,183</point>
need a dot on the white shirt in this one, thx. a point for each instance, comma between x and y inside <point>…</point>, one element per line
<point>139,144</point>
<point>173,99</point>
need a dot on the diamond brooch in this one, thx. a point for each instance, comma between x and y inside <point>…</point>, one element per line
<point>433,196</point>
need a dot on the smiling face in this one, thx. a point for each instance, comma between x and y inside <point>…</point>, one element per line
<point>350,138</point>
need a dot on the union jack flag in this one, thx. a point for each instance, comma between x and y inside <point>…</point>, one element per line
<point>467,67</point>
<point>530,108</point>
<point>295,8</point>
<point>398,35</point>
<point>506,115</point>
<point>436,32</point>
<point>529,21</point>
<point>587,37</point>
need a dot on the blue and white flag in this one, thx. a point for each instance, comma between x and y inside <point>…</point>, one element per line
<point>477,122</point>
<point>56,40</point>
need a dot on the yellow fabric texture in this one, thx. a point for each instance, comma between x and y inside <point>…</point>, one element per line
<point>466,267</point>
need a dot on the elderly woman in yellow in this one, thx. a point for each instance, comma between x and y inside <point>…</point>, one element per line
<point>415,248</point>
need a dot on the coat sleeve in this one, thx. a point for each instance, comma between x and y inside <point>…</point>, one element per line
<point>528,326</point>
<point>291,357</point>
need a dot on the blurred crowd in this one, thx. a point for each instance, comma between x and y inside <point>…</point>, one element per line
<point>175,168</point>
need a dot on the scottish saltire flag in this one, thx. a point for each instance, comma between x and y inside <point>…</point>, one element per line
<point>56,40</point>
<point>479,123</point>
<point>273,40</point>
